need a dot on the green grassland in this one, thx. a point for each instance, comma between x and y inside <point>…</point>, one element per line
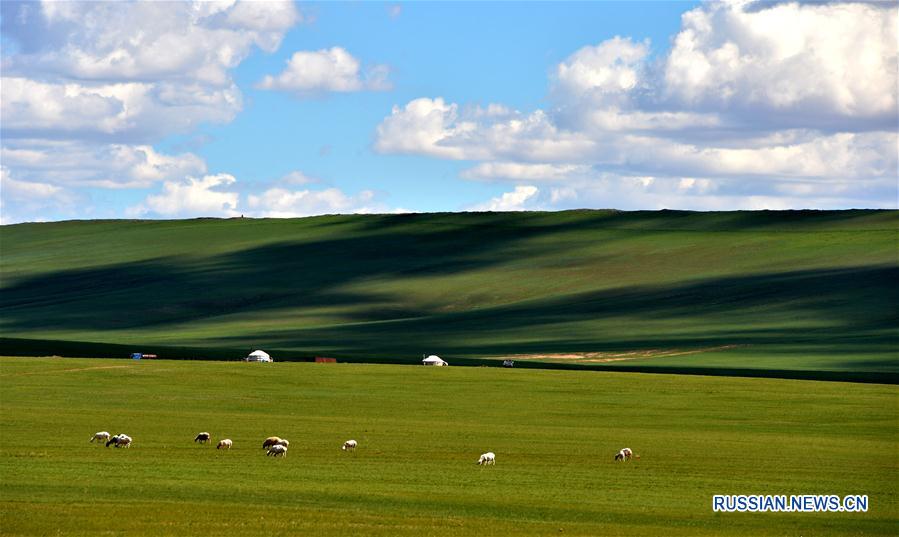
<point>420,432</point>
<point>794,290</point>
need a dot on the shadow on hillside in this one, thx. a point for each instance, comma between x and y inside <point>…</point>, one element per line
<point>664,220</point>
<point>852,311</point>
<point>301,274</point>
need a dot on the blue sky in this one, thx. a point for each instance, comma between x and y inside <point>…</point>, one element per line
<point>279,109</point>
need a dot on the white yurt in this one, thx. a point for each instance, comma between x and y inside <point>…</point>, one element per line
<point>258,356</point>
<point>434,360</point>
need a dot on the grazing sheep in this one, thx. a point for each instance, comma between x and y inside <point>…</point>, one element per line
<point>349,445</point>
<point>282,442</point>
<point>625,455</point>
<point>487,458</point>
<point>120,441</point>
<point>270,441</point>
<point>224,444</point>
<point>276,450</point>
<point>202,438</point>
<point>102,436</point>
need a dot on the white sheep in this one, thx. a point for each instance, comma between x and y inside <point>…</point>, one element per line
<point>120,441</point>
<point>224,444</point>
<point>203,438</point>
<point>270,441</point>
<point>102,436</point>
<point>349,445</point>
<point>487,458</point>
<point>625,455</point>
<point>277,450</point>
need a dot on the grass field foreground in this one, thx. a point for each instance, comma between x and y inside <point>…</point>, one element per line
<point>420,432</point>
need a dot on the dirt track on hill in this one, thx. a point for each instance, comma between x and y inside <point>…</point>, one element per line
<point>52,371</point>
<point>603,357</point>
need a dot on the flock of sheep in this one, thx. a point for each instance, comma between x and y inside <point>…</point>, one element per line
<point>277,447</point>
<point>120,440</point>
<point>274,446</point>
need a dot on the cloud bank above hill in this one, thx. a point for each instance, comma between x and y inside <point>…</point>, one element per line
<point>88,87</point>
<point>754,106</point>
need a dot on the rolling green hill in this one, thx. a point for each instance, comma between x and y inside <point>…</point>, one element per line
<point>794,290</point>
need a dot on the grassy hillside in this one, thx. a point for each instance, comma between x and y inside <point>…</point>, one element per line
<point>554,433</point>
<point>812,290</point>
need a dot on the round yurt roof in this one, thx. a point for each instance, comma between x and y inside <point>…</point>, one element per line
<point>260,354</point>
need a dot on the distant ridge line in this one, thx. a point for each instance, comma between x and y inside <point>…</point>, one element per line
<point>83,349</point>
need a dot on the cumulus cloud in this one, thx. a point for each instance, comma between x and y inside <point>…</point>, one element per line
<point>421,127</point>
<point>20,199</point>
<point>648,192</point>
<point>326,70</point>
<point>135,71</point>
<point>222,195</point>
<point>517,200</point>
<point>734,107</point>
<point>607,190</point>
<point>284,203</point>
<point>191,197</point>
<point>76,164</point>
<point>532,147</point>
<point>142,41</point>
<point>436,128</point>
<point>297,177</point>
<point>87,87</point>
<point>134,111</point>
<point>14,190</point>
<point>516,171</point>
<point>611,68</point>
<point>809,65</point>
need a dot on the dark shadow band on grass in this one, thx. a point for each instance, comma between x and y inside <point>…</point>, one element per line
<point>82,349</point>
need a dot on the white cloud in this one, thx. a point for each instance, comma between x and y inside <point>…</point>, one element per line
<point>20,199</point>
<point>284,203</point>
<point>87,87</point>
<point>604,190</point>
<point>76,164</point>
<point>532,147</point>
<point>812,64</point>
<point>519,199</point>
<point>866,156</point>
<point>419,127</point>
<point>136,111</point>
<point>220,195</point>
<point>270,19</point>
<point>733,109</point>
<point>22,190</point>
<point>143,41</point>
<point>610,68</point>
<point>516,171</point>
<point>297,177</point>
<point>439,129</point>
<point>192,197</point>
<point>326,70</point>
<point>654,193</point>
